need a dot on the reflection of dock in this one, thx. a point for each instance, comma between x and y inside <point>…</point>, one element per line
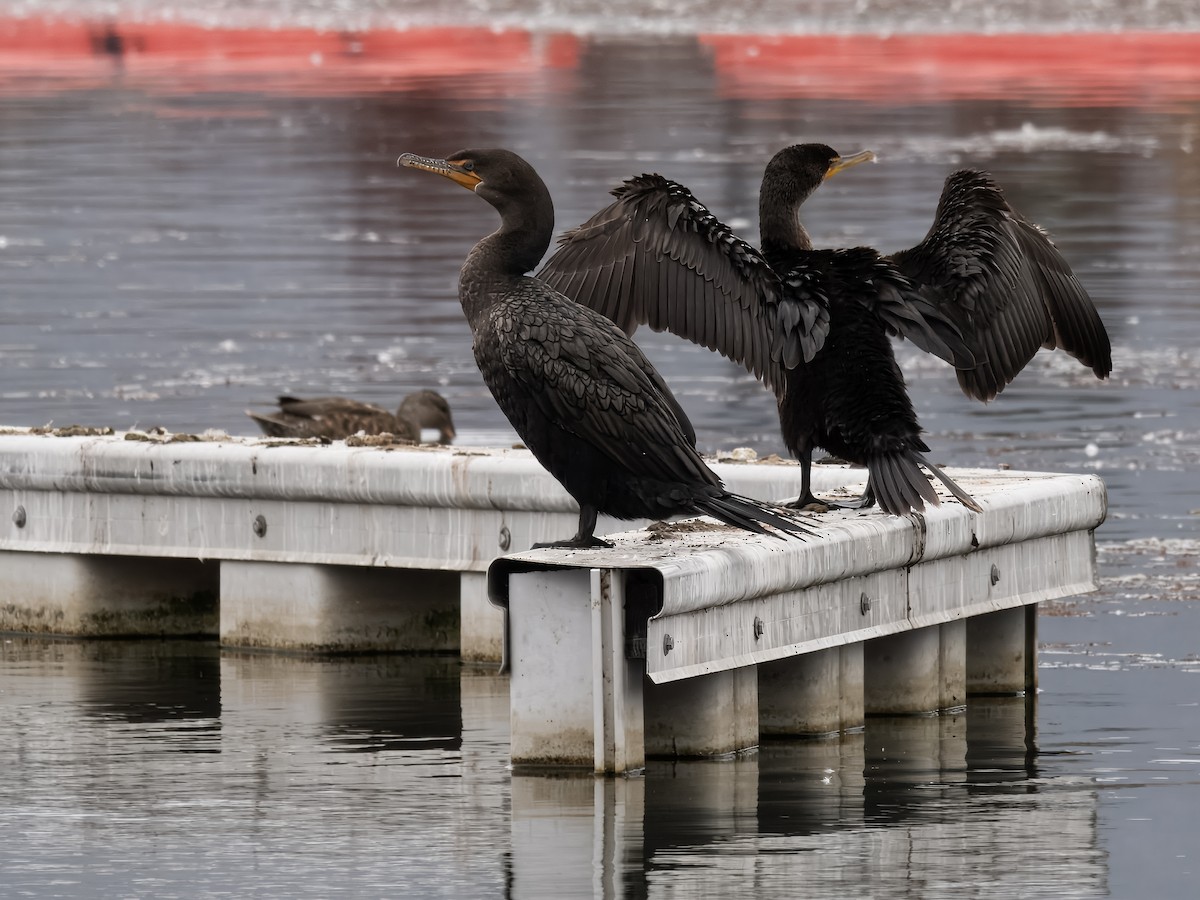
<point>831,815</point>
<point>241,756</point>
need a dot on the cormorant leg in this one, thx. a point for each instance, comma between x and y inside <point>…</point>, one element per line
<point>806,500</point>
<point>585,536</point>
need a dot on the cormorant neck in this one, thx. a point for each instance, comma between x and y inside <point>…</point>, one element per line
<point>779,226</point>
<point>500,260</point>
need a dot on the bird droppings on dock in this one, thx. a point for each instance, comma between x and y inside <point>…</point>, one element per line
<point>62,431</point>
<point>661,531</point>
<point>384,441</point>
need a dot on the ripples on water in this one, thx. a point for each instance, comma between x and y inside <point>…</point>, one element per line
<point>188,234</point>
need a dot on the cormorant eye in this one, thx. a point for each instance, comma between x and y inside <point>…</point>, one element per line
<point>468,166</point>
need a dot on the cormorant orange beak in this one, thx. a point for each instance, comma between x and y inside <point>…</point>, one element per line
<point>447,168</point>
<point>844,162</point>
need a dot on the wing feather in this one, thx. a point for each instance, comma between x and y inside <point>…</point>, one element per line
<point>1005,285</point>
<point>683,271</point>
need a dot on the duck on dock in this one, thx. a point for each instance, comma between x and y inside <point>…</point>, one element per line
<point>337,418</point>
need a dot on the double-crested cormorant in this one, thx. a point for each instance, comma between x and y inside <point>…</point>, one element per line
<point>984,290</point>
<point>580,394</point>
<point>340,417</point>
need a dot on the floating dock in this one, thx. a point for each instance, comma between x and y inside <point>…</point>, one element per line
<point>687,638</point>
<point>285,545</point>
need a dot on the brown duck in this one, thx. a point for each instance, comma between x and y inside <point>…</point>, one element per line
<point>337,418</point>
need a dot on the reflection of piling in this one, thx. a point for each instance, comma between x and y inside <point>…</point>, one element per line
<point>908,802</point>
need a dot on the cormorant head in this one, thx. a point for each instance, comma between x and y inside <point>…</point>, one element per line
<point>499,176</point>
<point>795,172</point>
<point>513,187</point>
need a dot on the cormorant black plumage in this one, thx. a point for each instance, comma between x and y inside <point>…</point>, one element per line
<point>581,395</point>
<point>983,291</point>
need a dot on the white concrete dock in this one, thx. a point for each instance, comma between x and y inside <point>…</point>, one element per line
<point>288,545</point>
<point>694,640</point>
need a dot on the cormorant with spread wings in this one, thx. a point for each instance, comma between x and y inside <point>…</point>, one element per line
<point>984,291</point>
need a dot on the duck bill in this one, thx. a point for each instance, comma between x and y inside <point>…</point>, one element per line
<point>845,162</point>
<point>447,168</point>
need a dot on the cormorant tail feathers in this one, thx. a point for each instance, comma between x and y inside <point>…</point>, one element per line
<point>742,512</point>
<point>899,486</point>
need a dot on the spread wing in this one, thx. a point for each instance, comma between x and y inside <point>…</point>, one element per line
<point>1005,284</point>
<point>657,256</point>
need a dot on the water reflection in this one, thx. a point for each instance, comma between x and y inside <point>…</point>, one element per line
<point>169,692</point>
<point>897,807</point>
<point>394,771</point>
<point>370,705</point>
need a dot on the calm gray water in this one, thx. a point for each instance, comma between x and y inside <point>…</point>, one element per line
<point>185,233</point>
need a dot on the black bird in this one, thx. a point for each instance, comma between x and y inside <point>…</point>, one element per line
<point>983,291</point>
<point>340,417</point>
<point>581,394</point>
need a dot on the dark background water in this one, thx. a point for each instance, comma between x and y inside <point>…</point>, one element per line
<point>185,233</point>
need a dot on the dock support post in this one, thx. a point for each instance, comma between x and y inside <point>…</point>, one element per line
<point>916,671</point>
<point>816,693</point>
<point>337,609</point>
<point>703,716</point>
<point>481,635</point>
<point>575,698</point>
<point>902,673</point>
<point>106,596</point>
<point>1002,651</point>
<point>952,664</point>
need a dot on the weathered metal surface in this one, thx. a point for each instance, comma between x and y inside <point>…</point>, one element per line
<point>270,501</point>
<point>831,614</point>
<point>705,568</point>
<point>728,599</point>
<point>553,688</point>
